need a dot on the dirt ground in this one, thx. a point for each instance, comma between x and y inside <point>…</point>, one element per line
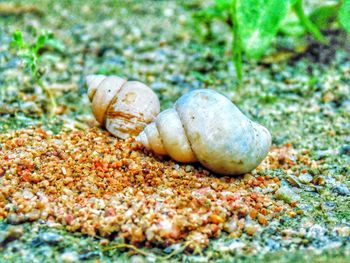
<point>304,102</point>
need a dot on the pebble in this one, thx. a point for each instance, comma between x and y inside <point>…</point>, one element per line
<point>343,231</point>
<point>89,255</point>
<point>70,257</point>
<point>316,232</point>
<point>197,259</point>
<point>345,149</point>
<point>287,194</point>
<point>51,238</point>
<point>176,79</point>
<point>158,86</point>
<point>273,244</point>
<point>188,168</point>
<point>236,245</point>
<point>10,234</point>
<point>321,154</point>
<point>293,180</point>
<point>251,229</point>
<point>305,178</point>
<point>15,219</point>
<point>137,259</point>
<point>342,189</point>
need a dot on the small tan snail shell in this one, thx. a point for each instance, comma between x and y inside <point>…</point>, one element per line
<point>123,107</point>
<point>206,126</point>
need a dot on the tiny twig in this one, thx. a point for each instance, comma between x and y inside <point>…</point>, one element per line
<point>140,251</point>
<point>175,252</point>
<point>144,253</point>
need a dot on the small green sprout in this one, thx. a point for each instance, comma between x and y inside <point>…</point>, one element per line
<point>31,55</point>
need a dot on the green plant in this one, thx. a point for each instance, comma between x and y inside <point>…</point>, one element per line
<point>255,23</point>
<point>31,55</point>
<point>297,6</point>
<point>344,15</point>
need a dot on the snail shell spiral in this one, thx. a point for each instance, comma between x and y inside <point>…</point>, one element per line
<point>206,126</point>
<point>123,107</point>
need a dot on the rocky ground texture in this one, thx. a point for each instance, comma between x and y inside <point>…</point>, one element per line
<point>303,101</point>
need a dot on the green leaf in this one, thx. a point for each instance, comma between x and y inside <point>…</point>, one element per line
<point>323,16</point>
<point>223,4</point>
<point>344,15</point>
<point>258,22</point>
<point>17,39</point>
<point>40,42</point>
<point>292,2</point>
<point>307,23</point>
<point>17,36</point>
<point>55,44</point>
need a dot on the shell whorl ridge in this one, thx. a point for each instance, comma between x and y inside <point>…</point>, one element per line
<point>123,107</point>
<point>206,126</point>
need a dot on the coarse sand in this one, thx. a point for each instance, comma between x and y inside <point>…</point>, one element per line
<point>91,182</point>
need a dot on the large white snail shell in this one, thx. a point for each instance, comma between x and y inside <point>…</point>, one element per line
<point>123,107</point>
<point>206,126</point>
